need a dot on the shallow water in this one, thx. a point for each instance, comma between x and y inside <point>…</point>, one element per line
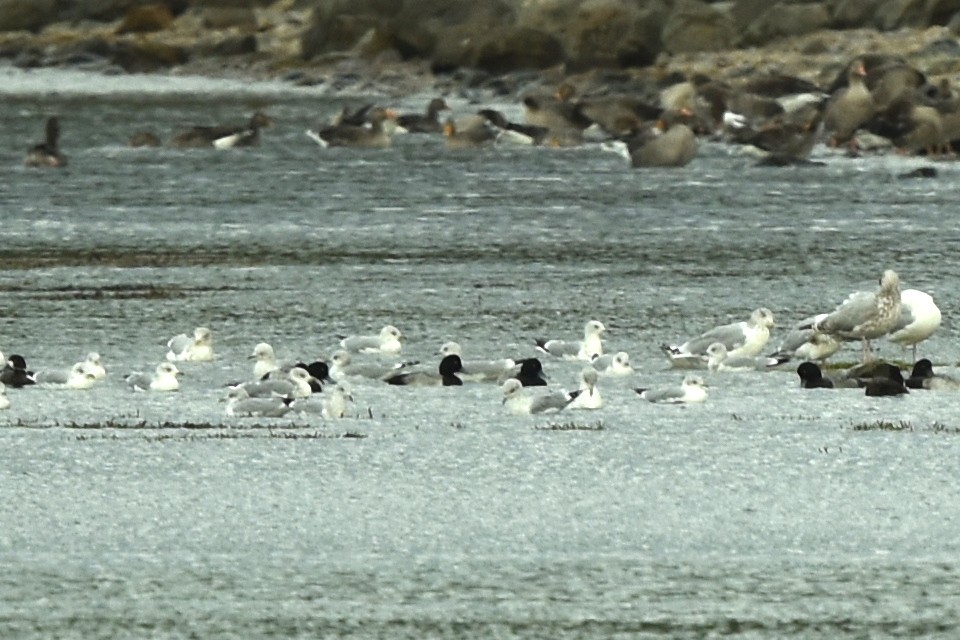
<point>765,512</point>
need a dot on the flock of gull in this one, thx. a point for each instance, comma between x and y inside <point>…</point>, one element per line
<point>324,387</point>
<point>877,101</point>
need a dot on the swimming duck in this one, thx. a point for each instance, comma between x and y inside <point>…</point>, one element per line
<point>370,135</point>
<point>428,122</point>
<point>223,137</point>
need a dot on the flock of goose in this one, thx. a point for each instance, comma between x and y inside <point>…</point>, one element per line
<point>905,317</point>
<point>876,101</point>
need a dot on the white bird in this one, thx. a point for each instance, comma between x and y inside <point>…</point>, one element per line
<point>719,359</point>
<point>745,338</point>
<point>613,364</point>
<point>4,400</point>
<point>919,318</point>
<point>342,368</point>
<point>387,341</point>
<point>477,370</point>
<point>589,395</point>
<point>76,377</point>
<point>296,384</point>
<point>692,389</point>
<point>519,402</point>
<point>335,403</point>
<point>585,349</point>
<point>866,315</point>
<point>198,348</point>
<point>239,403</point>
<point>94,366</point>
<point>166,377</point>
<point>803,342</point>
<point>266,360</point>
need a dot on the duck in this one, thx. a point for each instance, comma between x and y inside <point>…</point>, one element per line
<point>15,373</point>
<point>891,384</point>
<point>428,122</point>
<point>372,134</point>
<point>529,371</point>
<point>558,113</point>
<point>447,375</point>
<point>47,153</point>
<point>470,133</point>
<point>477,370</point>
<point>515,132</point>
<point>668,144</point>
<point>849,108</point>
<point>223,137</point>
<point>923,377</point>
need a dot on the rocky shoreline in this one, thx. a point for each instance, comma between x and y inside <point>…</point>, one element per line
<point>370,46</point>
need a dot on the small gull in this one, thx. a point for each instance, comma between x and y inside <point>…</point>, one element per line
<point>166,377</point>
<point>517,401</point>
<point>447,375</point>
<point>296,384</point>
<point>387,341</point>
<point>76,377</point>
<point>342,367</point>
<point>613,364</point>
<point>589,395</point>
<point>4,400</point>
<point>477,370</point>
<point>15,373</point>
<point>919,318</point>
<point>266,360</point>
<point>239,403</point>
<point>198,348</point>
<point>803,342</point>
<point>866,315</point>
<point>719,359</point>
<point>745,338</point>
<point>528,371</point>
<point>923,377</point>
<point>335,404</point>
<point>95,366</point>
<point>585,349</point>
<point>692,389</point>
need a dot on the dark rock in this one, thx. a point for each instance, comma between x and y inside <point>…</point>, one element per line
<point>108,10</point>
<point>919,172</point>
<point>509,48</point>
<point>851,14</point>
<point>32,15</point>
<point>241,17</point>
<point>136,57</point>
<point>146,18</point>
<point>697,26</point>
<point>614,34</point>
<point>229,46</point>
<point>897,14</point>
<point>784,19</point>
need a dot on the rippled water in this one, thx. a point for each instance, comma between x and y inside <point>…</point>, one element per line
<point>766,512</point>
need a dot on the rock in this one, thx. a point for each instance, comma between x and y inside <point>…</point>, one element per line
<point>744,12</point>
<point>146,18</point>
<point>228,46</point>
<point>612,33</point>
<point>510,48</point>
<point>243,18</point>
<point>697,26</point>
<point>17,15</point>
<point>784,19</point>
<point>135,56</point>
<point>853,14</point>
<point>897,14</point>
<point>109,10</point>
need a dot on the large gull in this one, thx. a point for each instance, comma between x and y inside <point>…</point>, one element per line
<point>296,384</point>
<point>919,318</point>
<point>239,403</point>
<point>342,367</point>
<point>76,377</point>
<point>585,349</point>
<point>745,338</point>
<point>519,402</point>
<point>866,315</point>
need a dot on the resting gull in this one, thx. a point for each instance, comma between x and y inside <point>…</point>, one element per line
<point>589,395</point>
<point>613,364</point>
<point>239,403</point>
<point>919,318</point>
<point>585,349</point>
<point>166,377</point>
<point>692,389</point>
<point>266,360</point>
<point>342,367</point>
<point>519,402</point>
<point>76,377</point>
<point>387,341</point>
<point>477,370</point>
<point>296,384</point>
<point>719,359</point>
<point>335,404</point>
<point>198,348</point>
<point>866,315</point>
<point>745,338</point>
<point>803,342</point>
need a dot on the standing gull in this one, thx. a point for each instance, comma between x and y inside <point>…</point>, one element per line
<point>585,349</point>
<point>866,315</point>
<point>517,401</point>
<point>335,404</point>
<point>692,389</point>
<point>919,318</point>
<point>745,338</point>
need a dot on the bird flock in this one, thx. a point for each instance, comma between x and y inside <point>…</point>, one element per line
<point>876,102</point>
<point>276,388</point>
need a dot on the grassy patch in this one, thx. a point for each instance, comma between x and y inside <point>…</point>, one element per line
<point>903,425</point>
<point>571,426</point>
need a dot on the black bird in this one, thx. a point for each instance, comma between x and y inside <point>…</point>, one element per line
<point>47,153</point>
<point>15,374</point>
<point>923,377</point>
<point>811,377</point>
<point>446,375</point>
<point>886,385</point>
<point>531,373</point>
